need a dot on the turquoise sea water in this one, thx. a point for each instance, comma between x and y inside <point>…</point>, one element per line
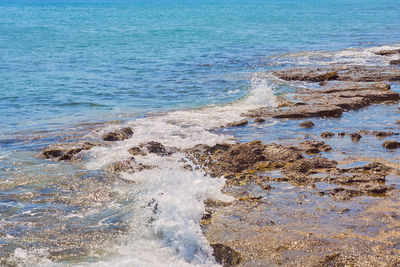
<point>69,61</point>
<point>156,66</point>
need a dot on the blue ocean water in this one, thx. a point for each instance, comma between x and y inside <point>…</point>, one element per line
<point>64,62</point>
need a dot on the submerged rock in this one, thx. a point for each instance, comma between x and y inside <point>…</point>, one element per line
<point>118,135</point>
<point>355,136</point>
<point>327,134</point>
<point>259,120</point>
<point>343,194</point>
<point>307,124</point>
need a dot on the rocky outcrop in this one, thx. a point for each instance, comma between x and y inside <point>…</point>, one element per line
<point>341,73</point>
<point>66,152</point>
<point>227,160</point>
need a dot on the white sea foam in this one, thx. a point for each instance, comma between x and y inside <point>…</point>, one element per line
<point>174,237</point>
<point>354,56</point>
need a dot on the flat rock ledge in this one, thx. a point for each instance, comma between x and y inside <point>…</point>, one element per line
<point>329,101</point>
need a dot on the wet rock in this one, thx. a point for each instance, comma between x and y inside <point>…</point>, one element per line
<point>398,122</point>
<point>158,148</point>
<point>314,147</point>
<point>395,62</point>
<point>134,151</point>
<point>226,255</point>
<point>259,120</point>
<point>327,134</point>
<point>129,166</point>
<point>341,134</point>
<point>65,152</point>
<point>237,123</point>
<point>377,167</point>
<point>355,136</point>
<point>341,86</point>
<point>371,95</point>
<point>343,194</point>
<point>228,159</point>
<point>378,133</point>
<point>305,111</point>
<point>387,52</point>
<point>307,124</point>
<point>373,168</point>
<point>307,164</point>
<point>383,134</point>
<point>118,135</point>
<point>356,178</point>
<point>344,73</point>
<point>391,144</point>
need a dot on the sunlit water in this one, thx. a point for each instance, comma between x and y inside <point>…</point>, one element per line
<point>173,71</point>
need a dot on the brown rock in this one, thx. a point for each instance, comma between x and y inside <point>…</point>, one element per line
<point>364,189</point>
<point>307,164</point>
<point>136,151</point>
<point>305,111</point>
<point>128,165</point>
<point>314,147</point>
<point>383,133</point>
<point>158,148</point>
<point>355,136</point>
<point>259,120</point>
<point>237,123</point>
<point>395,62</point>
<point>226,255</point>
<point>387,52</point>
<point>65,152</point>
<point>227,159</point>
<point>391,144</point>
<point>307,124</point>
<point>327,134</point>
<point>341,134</point>
<point>345,73</point>
<point>118,135</point>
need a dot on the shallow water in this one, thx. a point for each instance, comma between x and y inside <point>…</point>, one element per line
<point>171,71</point>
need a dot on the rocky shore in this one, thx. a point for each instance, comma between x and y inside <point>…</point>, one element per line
<point>295,203</point>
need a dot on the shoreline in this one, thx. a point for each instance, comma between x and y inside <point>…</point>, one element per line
<point>291,175</point>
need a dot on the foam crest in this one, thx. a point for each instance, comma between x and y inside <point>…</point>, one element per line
<point>353,56</point>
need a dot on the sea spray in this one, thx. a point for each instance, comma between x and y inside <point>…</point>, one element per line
<point>173,195</point>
